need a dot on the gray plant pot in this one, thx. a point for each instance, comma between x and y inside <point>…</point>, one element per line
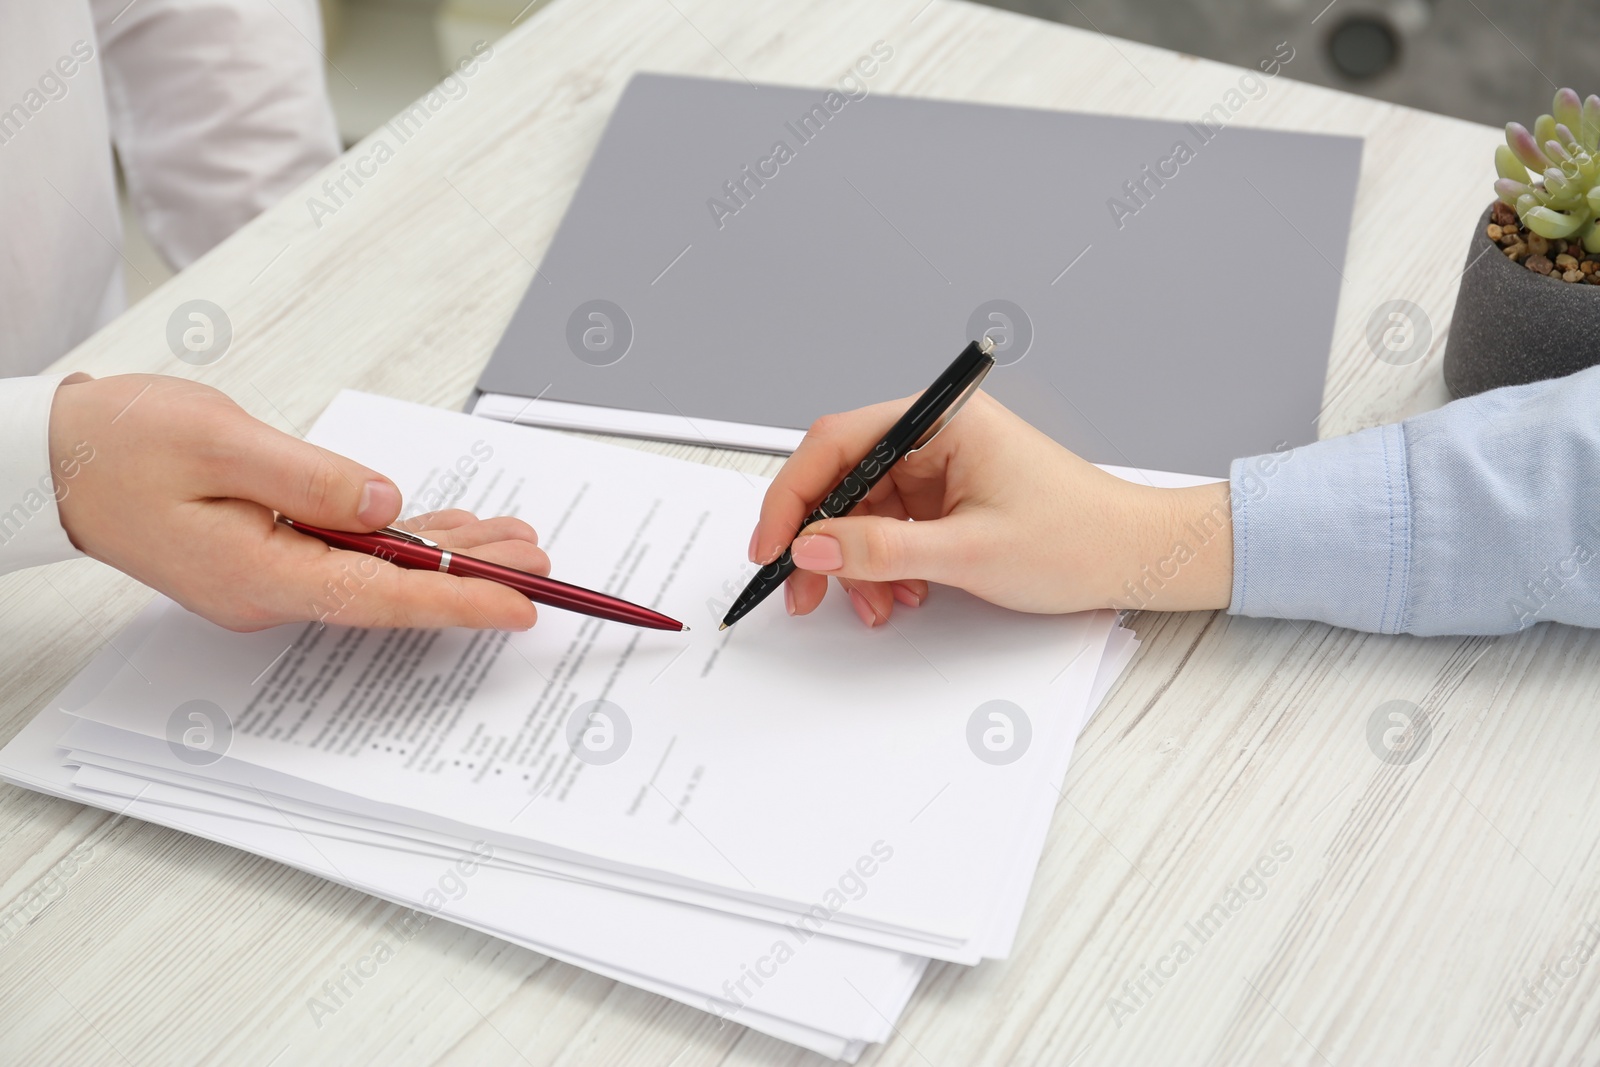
<point>1513,326</point>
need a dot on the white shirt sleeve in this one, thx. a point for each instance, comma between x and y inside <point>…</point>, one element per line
<point>30,524</point>
<point>60,237</point>
<point>217,108</point>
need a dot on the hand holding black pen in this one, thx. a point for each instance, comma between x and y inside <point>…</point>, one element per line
<point>926,416</point>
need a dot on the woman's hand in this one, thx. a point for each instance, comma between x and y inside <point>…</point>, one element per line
<point>999,510</point>
<point>173,483</point>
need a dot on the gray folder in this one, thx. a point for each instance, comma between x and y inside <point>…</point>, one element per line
<point>1162,294</point>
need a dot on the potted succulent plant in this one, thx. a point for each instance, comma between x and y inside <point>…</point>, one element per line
<point>1526,310</point>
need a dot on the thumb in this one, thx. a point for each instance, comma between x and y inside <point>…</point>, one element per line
<point>300,480</point>
<point>876,548</point>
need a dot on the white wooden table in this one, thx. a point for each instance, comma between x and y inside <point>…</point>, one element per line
<point>1417,898</point>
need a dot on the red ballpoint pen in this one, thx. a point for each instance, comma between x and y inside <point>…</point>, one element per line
<point>415,552</point>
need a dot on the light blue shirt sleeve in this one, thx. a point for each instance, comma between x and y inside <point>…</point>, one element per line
<point>1482,517</point>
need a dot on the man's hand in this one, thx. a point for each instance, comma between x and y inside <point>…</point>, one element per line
<point>173,483</point>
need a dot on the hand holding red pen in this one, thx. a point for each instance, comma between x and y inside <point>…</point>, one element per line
<point>180,492</point>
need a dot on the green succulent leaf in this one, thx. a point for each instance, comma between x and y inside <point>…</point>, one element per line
<point>1544,129</point>
<point>1510,190</point>
<point>1554,224</point>
<point>1567,107</point>
<point>1590,131</point>
<point>1507,165</point>
<point>1524,147</point>
<point>1526,203</point>
<point>1591,238</point>
<point>1594,201</point>
<point>1560,192</point>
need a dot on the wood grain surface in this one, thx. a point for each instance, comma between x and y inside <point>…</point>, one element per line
<point>1408,904</point>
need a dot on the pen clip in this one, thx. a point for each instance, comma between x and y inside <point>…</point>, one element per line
<point>986,345</point>
<point>407,535</point>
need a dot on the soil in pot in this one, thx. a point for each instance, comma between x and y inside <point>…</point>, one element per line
<point>1564,260</point>
<point>1528,308</point>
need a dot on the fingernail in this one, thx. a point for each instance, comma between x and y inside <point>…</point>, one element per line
<point>906,595</point>
<point>818,552</point>
<point>750,553</point>
<point>863,609</point>
<point>788,598</point>
<point>380,502</point>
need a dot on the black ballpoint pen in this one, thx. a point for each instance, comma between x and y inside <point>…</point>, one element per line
<point>926,416</point>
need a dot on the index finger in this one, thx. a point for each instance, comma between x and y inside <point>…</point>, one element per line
<point>830,449</point>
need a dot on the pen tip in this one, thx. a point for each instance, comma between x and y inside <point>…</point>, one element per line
<point>722,626</point>
<point>684,630</point>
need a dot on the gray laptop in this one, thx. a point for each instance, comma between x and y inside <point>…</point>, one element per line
<point>739,260</point>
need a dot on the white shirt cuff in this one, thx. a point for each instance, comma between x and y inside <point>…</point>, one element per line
<point>30,524</point>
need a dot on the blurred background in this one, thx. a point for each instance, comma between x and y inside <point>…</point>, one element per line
<point>396,50</point>
<point>1486,61</point>
<point>1489,61</point>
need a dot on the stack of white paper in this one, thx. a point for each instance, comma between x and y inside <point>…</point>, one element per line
<point>780,823</point>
